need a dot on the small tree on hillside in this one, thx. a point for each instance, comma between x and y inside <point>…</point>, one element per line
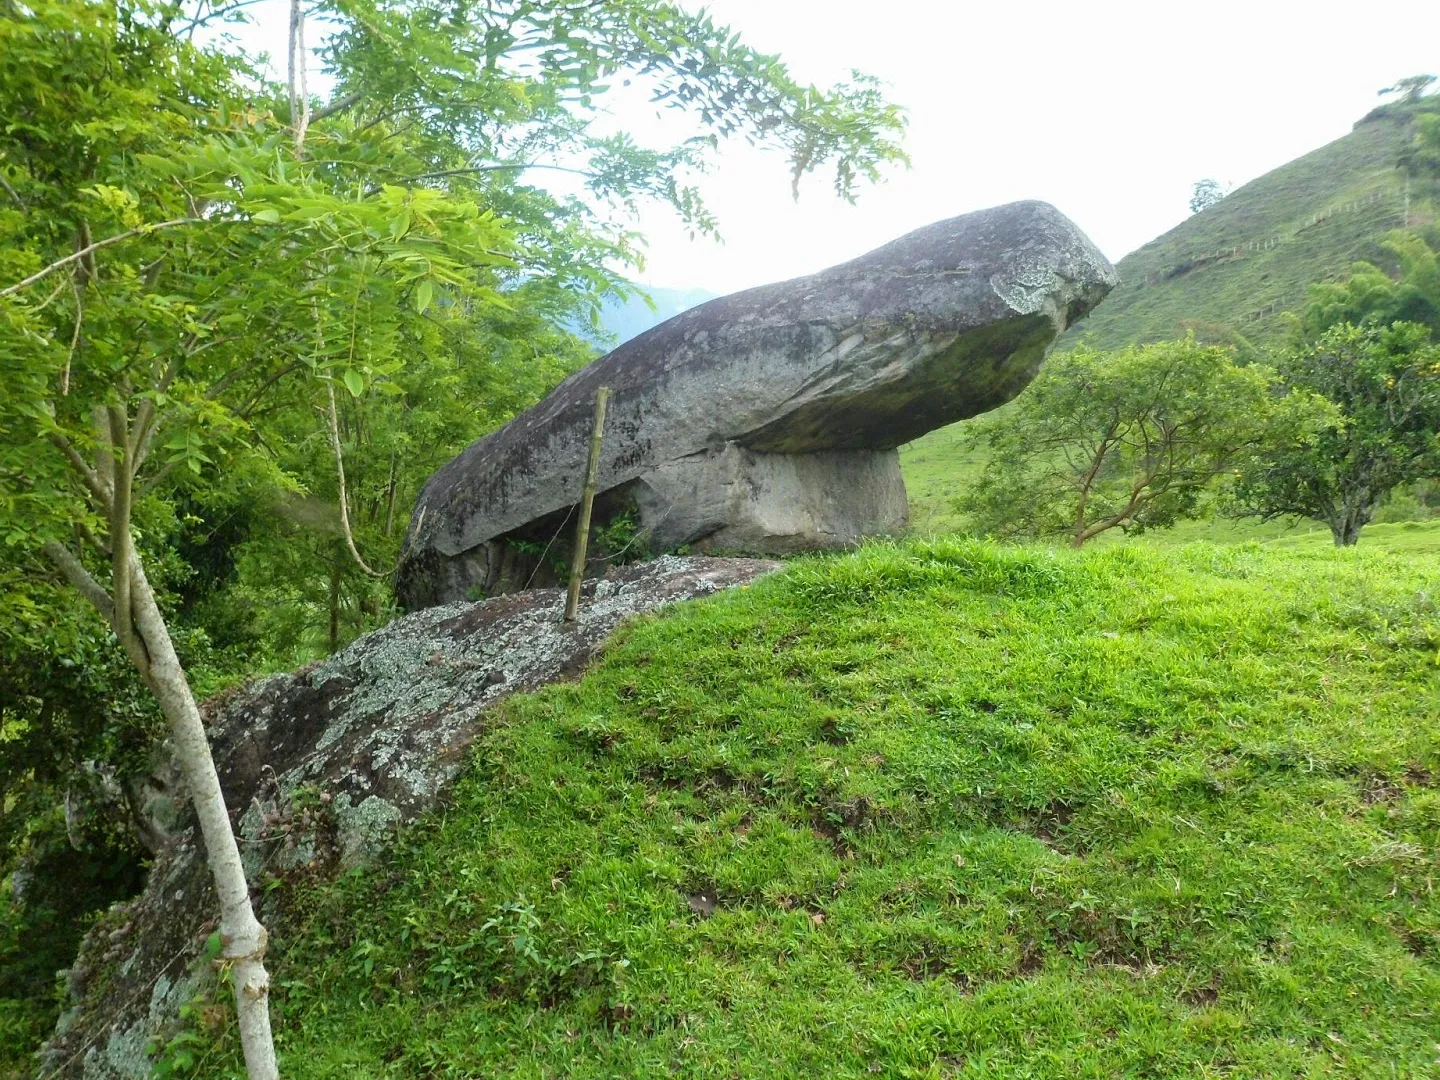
<point>1127,440</point>
<point>1385,385</point>
<point>1207,193</point>
<point>1410,88</point>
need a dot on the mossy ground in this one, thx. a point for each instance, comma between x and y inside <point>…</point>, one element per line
<point>933,809</point>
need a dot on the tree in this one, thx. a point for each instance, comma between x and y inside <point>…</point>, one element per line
<point>1419,159</point>
<point>1408,89</point>
<point>1127,440</point>
<point>1384,383</point>
<point>195,255</point>
<point>1207,193</point>
<point>1370,294</point>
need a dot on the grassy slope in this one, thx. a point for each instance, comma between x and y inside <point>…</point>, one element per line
<point>1244,296</point>
<point>958,809</point>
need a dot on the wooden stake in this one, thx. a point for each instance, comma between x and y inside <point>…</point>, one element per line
<point>587,499</point>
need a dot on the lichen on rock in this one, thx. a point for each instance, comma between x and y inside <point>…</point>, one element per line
<point>321,765</point>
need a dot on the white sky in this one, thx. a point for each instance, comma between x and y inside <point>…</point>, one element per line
<point>1110,110</point>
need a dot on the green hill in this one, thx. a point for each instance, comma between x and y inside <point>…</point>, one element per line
<point>931,810</point>
<point>1230,272</point>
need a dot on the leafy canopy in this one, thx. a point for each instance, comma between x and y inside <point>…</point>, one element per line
<point>1206,194</point>
<point>1127,440</point>
<point>1384,383</point>
<point>1370,294</point>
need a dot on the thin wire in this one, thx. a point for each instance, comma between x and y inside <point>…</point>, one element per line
<point>541,561</point>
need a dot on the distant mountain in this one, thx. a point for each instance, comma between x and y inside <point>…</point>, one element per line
<point>1230,272</point>
<point>635,316</point>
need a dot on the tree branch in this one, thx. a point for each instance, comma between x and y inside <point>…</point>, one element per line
<point>515,166</point>
<point>90,249</point>
<point>200,20</point>
<point>74,337</point>
<point>299,95</point>
<point>146,422</point>
<point>74,570</point>
<point>337,106</point>
<point>120,539</point>
<point>153,481</point>
<point>13,193</point>
<point>90,477</point>
<point>340,469</point>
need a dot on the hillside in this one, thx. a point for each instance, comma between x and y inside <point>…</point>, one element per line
<point>936,809</point>
<point>1231,271</point>
<point>1229,274</point>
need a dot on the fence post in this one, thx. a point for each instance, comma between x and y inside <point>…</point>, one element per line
<point>587,500</point>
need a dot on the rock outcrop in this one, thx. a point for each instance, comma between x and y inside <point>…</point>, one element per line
<point>767,421</point>
<point>319,766</point>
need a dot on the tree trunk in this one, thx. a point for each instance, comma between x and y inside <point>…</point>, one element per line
<point>390,497</point>
<point>334,601</point>
<point>1345,531</point>
<point>1353,514</point>
<point>242,935</point>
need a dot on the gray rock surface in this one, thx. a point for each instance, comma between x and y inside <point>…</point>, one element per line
<point>319,766</point>
<point>767,421</point>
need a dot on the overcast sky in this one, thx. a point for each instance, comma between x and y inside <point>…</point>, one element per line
<point>1109,110</point>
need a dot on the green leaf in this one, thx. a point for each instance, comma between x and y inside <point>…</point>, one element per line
<point>269,217</point>
<point>423,294</point>
<point>354,382</point>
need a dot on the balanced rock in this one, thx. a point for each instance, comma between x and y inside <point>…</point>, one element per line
<point>767,421</point>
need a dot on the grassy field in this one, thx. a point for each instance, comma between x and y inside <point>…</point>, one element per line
<point>932,809</point>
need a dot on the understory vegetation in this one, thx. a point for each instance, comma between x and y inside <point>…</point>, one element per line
<point>934,809</point>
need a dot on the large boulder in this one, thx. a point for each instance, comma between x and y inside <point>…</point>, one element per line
<point>768,421</point>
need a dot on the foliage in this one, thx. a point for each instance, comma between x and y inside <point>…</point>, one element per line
<point>1420,158</point>
<point>1127,440</point>
<point>69,699</point>
<point>1369,294</point>
<point>1409,89</point>
<point>1207,193</point>
<point>407,256</point>
<point>1385,385</point>
<point>930,809</point>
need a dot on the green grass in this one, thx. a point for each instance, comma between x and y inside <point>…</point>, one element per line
<point>1242,298</point>
<point>932,809</point>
